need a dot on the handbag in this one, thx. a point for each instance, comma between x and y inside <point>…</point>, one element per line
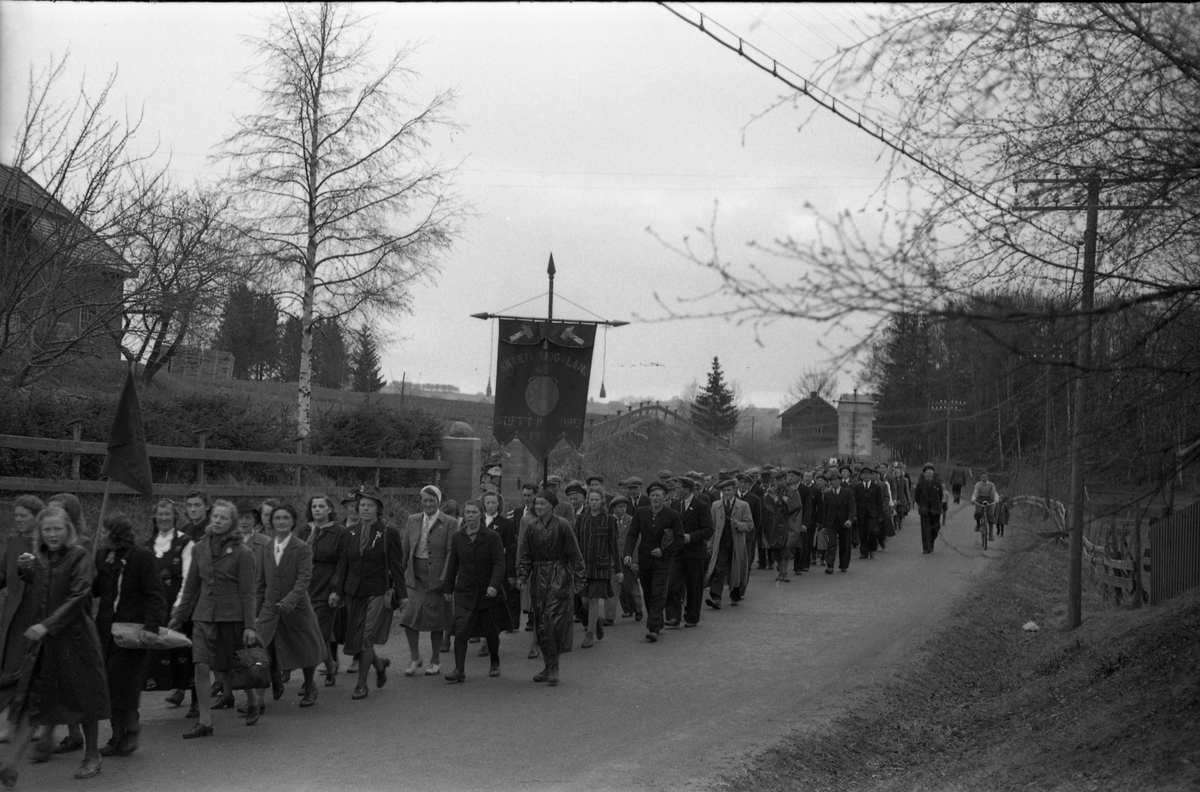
<point>795,536</point>
<point>822,540</point>
<point>251,671</point>
<point>128,635</point>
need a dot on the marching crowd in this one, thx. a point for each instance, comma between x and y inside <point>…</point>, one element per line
<point>265,591</point>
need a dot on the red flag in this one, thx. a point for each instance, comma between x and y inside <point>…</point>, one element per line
<point>127,461</point>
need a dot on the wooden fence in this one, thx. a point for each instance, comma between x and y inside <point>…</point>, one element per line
<point>602,430</point>
<point>199,454</point>
<point>1175,554</point>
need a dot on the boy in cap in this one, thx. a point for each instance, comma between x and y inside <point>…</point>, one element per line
<point>657,528</point>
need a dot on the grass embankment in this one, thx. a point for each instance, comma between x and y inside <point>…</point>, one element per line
<point>1112,705</point>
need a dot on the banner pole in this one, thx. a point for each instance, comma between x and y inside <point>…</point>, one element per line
<point>100,521</point>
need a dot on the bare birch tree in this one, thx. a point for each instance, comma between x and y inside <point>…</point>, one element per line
<point>332,177</point>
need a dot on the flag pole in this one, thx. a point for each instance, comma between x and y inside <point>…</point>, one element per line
<point>100,522</point>
<point>550,270</point>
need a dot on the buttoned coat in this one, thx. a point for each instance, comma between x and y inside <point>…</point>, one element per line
<point>472,567</point>
<point>697,524</point>
<point>365,574</point>
<point>438,545</point>
<point>741,522</point>
<point>220,589</point>
<point>839,508</point>
<point>285,612</point>
<point>648,532</point>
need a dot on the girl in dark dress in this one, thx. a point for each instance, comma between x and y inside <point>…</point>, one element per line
<point>473,582</point>
<point>548,561</point>
<point>130,590</point>
<point>172,549</point>
<point>596,531</point>
<point>327,539</point>
<point>68,683</point>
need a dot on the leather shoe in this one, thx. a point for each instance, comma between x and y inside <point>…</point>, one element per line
<point>542,675</point>
<point>651,636</point>
<point>690,624</point>
<point>331,679</point>
<point>456,676</point>
<point>712,603</point>
<point>253,714</point>
<point>360,692</point>
<point>89,768</point>
<point>192,712</point>
<point>198,730</point>
<point>638,616</point>
<point>381,673</point>
<point>277,687</point>
<point>483,651</point>
<point>69,744</point>
<point>175,698</point>
<point>494,671</point>
<point>412,668</point>
<point>225,702</point>
<point>672,624</point>
<point>310,696</point>
<point>600,630</point>
<point>533,653</point>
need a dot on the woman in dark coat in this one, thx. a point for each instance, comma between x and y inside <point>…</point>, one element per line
<point>549,562</point>
<point>327,540</point>
<point>20,611</point>
<point>129,589</point>
<point>473,582</point>
<point>172,547</point>
<point>68,683</point>
<point>507,528</point>
<point>370,566</point>
<point>286,623</point>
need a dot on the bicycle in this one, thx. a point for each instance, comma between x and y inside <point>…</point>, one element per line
<point>985,512</point>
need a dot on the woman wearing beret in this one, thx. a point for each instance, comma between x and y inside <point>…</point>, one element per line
<point>425,547</point>
<point>130,590</point>
<point>549,562</point>
<point>368,569</point>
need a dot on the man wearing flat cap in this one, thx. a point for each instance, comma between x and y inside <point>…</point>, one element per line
<point>660,533</point>
<point>744,482</point>
<point>632,487</point>
<point>685,590</point>
<point>929,495</point>
<point>630,591</point>
<point>729,561</point>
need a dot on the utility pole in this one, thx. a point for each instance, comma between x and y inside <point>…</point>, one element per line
<point>1083,363</point>
<point>948,406</point>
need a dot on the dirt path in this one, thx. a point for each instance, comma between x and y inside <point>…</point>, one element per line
<point>627,715</point>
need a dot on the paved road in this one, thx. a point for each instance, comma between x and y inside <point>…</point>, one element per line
<point>628,715</point>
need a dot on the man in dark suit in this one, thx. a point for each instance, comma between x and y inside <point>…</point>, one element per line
<point>870,502</point>
<point>686,582</point>
<point>631,488</point>
<point>839,511</point>
<point>660,533</point>
<point>929,495</point>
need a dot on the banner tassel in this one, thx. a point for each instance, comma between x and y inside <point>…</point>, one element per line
<point>604,366</point>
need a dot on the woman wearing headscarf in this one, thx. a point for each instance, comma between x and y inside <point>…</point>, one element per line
<point>172,549</point>
<point>286,623</point>
<point>327,540</point>
<point>368,569</point>
<point>549,561</point>
<point>20,611</point>
<point>218,598</point>
<point>68,683</point>
<point>473,583</point>
<point>426,545</point>
<point>129,590</point>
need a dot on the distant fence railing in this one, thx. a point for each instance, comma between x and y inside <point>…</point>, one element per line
<point>602,430</point>
<point>199,454</point>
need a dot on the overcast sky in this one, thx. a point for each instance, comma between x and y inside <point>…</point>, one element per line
<point>584,126</point>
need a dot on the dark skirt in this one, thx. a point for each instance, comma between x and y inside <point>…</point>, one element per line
<point>69,685</point>
<point>368,623</point>
<point>598,588</point>
<point>126,670</point>
<point>16,645</point>
<point>332,621</point>
<point>482,623</point>
<point>215,644</point>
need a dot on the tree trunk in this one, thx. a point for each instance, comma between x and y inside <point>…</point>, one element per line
<point>304,384</point>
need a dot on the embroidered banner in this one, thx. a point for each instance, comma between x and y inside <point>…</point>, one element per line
<point>542,375</point>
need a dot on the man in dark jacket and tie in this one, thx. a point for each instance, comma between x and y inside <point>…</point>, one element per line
<point>688,585</point>
<point>839,512</point>
<point>870,501</point>
<point>928,496</point>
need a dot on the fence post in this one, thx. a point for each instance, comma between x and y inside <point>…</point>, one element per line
<point>1136,552</point>
<point>201,438</point>
<point>76,436</point>
<point>299,464</point>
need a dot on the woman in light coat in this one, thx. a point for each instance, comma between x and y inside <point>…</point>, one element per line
<point>426,546</point>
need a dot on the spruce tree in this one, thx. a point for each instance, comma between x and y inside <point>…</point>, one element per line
<point>249,330</point>
<point>714,408</point>
<point>367,376</point>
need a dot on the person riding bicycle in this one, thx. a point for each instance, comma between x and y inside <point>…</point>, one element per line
<point>984,496</point>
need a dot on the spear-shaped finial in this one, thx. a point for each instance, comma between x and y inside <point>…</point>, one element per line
<point>550,267</point>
